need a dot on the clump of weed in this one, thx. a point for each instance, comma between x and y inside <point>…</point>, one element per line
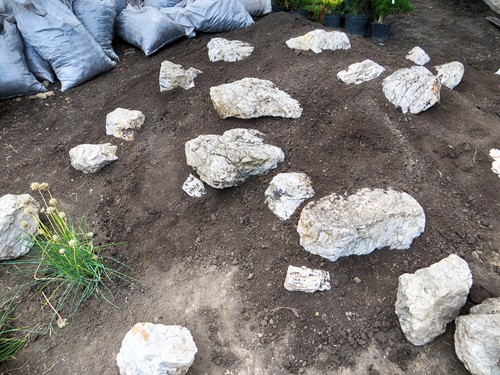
<point>11,339</point>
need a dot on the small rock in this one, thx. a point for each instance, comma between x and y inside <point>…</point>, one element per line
<point>319,40</point>
<point>250,276</point>
<point>495,166</point>
<point>92,158</point>
<point>194,187</point>
<point>498,72</point>
<point>45,83</point>
<point>122,123</point>
<point>357,280</point>
<point>418,56</point>
<point>450,74</point>
<point>174,75</point>
<point>228,50</point>
<point>303,279</point>
<point>360,72</point>
<point>41,95</point>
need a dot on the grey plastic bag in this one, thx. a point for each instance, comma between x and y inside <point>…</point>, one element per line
<point>119,6</point>
<point>182,17</point>
<point>160,3</point>
<point>39,67</point>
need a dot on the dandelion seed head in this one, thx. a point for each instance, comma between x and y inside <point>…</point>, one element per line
<point>62,251</point>
<point>62,215</point>
<point>50,210</point>
<point>43,186</point>
<point>53,201</point>
<point>62,322</point>
<point>25,224</point>
<point>26,201</point>
<point>89,235</point>
<point>72,243</point>
<point>42,209</point>
<point>29,210</point>
<point>35,186</point>
<point>54,237</point>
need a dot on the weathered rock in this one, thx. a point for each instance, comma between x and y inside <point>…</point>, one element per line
<point>431,298</point>
<point>220,49</point>
<point>477,338</point>
<point>360,72</point>
<point>320,40</point>
<point>286,192</point>
<point>418,56</point>
<point>156,349</point>
<point>450,74</point>
<point>18,221</point>
<point>303,279</point>
<point>253,97</point>
<point>335,226</point>
<point>494,5</point>
<point>194,187</point>
<point>229,159</point>
<point>91,158</point>
<point>413,89</point>
<point>495,166</point>
<point>174,75</point>
<point>498,72</point>
<point>122,123</point>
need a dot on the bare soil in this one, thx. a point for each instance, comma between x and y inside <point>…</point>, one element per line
<point>216,265</point>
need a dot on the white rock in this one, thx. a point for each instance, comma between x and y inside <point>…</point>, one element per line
<point>220,49</point>
<point>477,338</point>
<point>194,187</point>
<point>122,123</point>
<point>18,221</point>
<point>156,349</point>
<point>337,226</point>
<point>498,72</point>
<point>303,279</point>
<point>418,56</point>
<point>360,72</point>
<point>229,159</point>
<point>91,158</point>
<point>286,192</point>
<point>253,97</point>
<point>495,166</point>
<point>174,75</point>
<point>431,298</point>
<point>320,40</point>
<point>450,74</point>
<point>413,89</point>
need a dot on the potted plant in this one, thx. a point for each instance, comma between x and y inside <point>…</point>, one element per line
<point>356,18</point>
<point>316,11</point>
<point>332,12</point>
<point>298,7</point>
<point>381,9</point>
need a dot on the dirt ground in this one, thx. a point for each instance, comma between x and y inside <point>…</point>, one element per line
<point>216,265</point>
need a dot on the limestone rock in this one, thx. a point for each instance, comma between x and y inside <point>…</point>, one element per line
<point>431,298</point>
<point>413,89</point>
<point>286,192</point>
<point>320,40</point>
<point>91,158</point>
<point>494,5</point>
<point>418,56</point>
<point>194,187</point>
<point>488,306</point>
<point>498,72</point>
<point>229,159</point>
<point>122,123</point>
<point>450,74</point>
<point>174,75</point>
<point>156,349</point>
<point>360,72</point>
<point>220,49</point>
<point>18,221</point>
<point>303,279</point>
<point>495,166</point>
<point>251,98</point>
<point>337,226</point>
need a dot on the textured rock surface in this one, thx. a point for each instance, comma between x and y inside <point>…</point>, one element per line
<point>337,226</point>
<point>229,159</point>
<point>194,187</point>
<point>413,89</point>
<point>18,220</point>
<point>495,155</point>
<point>91,158</point>
<point>450,74</point>
<point>253,97</point>
<point>220,49</point>
<point>174,75</point>
<point>286,192</point>
<point>418,56</point>
<point>122,123</point>
<point>497,72</point>
<point>156,349</point>
<point>303,279</point>
<point>431,298</point>
<point>360,72</point>
<point>320,40</point>
<point>494,5</point>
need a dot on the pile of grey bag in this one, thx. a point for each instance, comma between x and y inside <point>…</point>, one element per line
<point>71,40</point>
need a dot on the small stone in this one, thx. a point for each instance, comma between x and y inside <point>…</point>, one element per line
<point>360,72</point>
<point>450,74</point>
<point>41,95</point>
<point>303,279</point>
<point>319,40</point>
<point>174,75</point>
<point>418,56</point>
<point>122,123</point>
<point>495,166</point>
<point>194,187</point>
<point>357,280</point>
<point>228,50</point>
<point>45,83</point>
<point>92,158</point>
<point>250,276</point>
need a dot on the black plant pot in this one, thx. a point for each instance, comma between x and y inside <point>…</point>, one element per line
<point>356,25</point>
<point>380,31</point>
<point>332,20</point>
<point>300,12</point>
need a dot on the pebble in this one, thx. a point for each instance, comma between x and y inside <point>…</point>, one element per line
<point>250,276</point>
<point>357,280</point>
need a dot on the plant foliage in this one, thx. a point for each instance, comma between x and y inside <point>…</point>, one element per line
<point>383,8</point>
<point>11,339</point>
<point>356,7</point>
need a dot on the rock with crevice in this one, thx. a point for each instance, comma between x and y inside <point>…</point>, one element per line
<point>174,75</point>
<point>495,166</point>
<point>320,40</point>
<point>89,158</point>
<point>360,72</point>
<point>418,56</point>
<point>194,187</point>
<point>450,74</point>
<point>303,279</point>
<point>220,49</point>
<point>122,123</point>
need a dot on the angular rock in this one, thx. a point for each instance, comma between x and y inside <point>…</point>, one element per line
<point>360,72</point>
<point>337,226</point>
<point>228,50</point>
<point>122,123</point>
<point>450,74</point>
<point>194,187</point>
<point>494,5</point>
<point>477,338</point>
<point>251,98</point>
<point>286,192</point>
<point>413,89</point>
<point>320,40</point>
<point>91,158</point>
<point>498,72</point>
<point>418,56</point>
<point>431,298</point>
<point>18,221</point>
<point>495,166</point>
<point>174,75</point>
<point>156,349</point>
<point>303,279</point>
<point>229,159</point>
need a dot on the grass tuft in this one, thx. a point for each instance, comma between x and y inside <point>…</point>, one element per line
<point>11,339</point>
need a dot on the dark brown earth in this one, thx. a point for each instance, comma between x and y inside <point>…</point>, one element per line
<point>193,258</point>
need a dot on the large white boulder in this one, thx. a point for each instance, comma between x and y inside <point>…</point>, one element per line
<point>251,98</point>
<point>303,279</point>
<point>174,75</point>
<point>320,40</point>
<point>156,349</point>
<point>337,226</point>
<point>220,49</point>
<point>450,74</point>
<point>229,159</point>
<point>413,89</point>
<point>18,222</point>
<point>360,72</point>
<point>122,123</point>
<point>91,158</point>
<point>495,166</point>
<point>430,298</point>
<point>418,56</point>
